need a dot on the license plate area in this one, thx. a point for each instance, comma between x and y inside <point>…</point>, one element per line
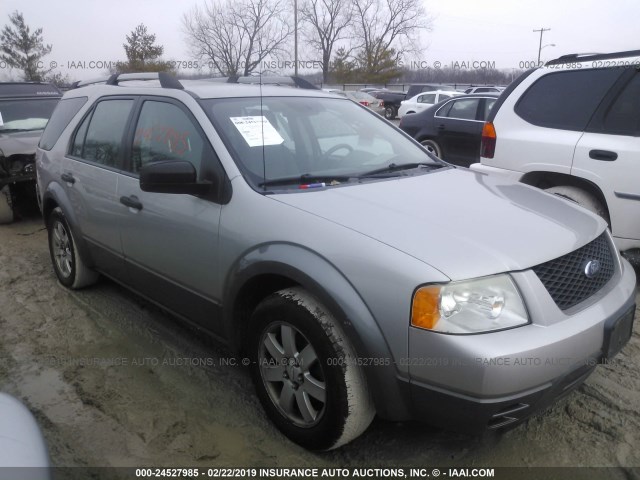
<point>617,333</point>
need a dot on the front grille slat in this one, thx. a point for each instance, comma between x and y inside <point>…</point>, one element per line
<point>565,278</point>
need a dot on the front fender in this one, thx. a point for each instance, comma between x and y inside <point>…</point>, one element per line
<point>335,291</point>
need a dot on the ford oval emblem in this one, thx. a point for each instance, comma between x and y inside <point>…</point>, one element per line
<point>592,268</point>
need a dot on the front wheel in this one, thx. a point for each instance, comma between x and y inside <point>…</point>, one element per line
<point>67,261</point>
<point>305,372</point>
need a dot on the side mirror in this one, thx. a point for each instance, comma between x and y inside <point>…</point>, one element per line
<point>172,176</point>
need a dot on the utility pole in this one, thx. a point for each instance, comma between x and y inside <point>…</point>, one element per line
<point>295,37</point>
<point>542,30</point>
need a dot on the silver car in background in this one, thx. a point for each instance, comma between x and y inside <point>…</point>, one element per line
<point>357,273</point>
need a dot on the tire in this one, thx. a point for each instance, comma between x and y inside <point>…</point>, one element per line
<point>581,197</point>
<point>68,265</point>
<point>389,113</point>
<point>6,206</point>
<point>305,374</point>
<point>432,147</point>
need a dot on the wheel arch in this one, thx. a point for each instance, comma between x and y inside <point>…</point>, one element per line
<point>54,197</point>
<point>267,270</point>
<point>544,180</point>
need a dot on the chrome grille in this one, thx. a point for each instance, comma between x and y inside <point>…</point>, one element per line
<point>566,279</point>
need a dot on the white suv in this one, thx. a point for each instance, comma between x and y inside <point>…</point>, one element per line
<point>572,127</point>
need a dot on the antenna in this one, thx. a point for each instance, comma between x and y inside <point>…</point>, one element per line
<point>264,162</point>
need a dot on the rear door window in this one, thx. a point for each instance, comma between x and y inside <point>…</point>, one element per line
<point>99,137</point>
<point>566,100</point>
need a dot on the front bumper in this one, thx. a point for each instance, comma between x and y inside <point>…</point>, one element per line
<point>488,381</point>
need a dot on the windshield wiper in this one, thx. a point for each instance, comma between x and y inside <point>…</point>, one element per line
<point>15,130</point>
<point>398,167</point>
<point>306,179</point>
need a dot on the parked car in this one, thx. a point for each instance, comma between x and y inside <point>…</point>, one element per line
<point>452,129</point>
<point>333,252</point>
<point>417,88</point>
<point>363,98</point>
<point>23,450</point>
<point>572,128</point>
<point>392,101</point>
<point>424,100</point>
<point>25,109</point>
<point>371,89</point>
<point>486,89</point>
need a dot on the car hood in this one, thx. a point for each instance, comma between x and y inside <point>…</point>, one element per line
<point>465,224</point>
<point>24,143</point>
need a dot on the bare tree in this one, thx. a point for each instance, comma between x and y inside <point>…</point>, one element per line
<point>387,29</point>
<point>235,36</point>
<point>327,21</point>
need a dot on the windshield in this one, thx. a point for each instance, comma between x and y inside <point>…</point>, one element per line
<point>25,115</point>
<point>300,138</point>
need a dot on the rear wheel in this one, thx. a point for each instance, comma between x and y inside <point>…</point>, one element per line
<point>68,264</point>
<point>581,197</point>
<point>432,147</point>
<point>6,205</point>
<point>305,372</point>
<point>389,113</point>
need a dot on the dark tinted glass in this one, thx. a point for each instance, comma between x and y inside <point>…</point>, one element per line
<point>623,117</point>
<point>61,117</point>
<point>566,100</point>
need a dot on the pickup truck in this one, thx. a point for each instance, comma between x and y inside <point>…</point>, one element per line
<point>391,102</point>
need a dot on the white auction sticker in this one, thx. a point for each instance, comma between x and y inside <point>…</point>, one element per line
<point>257,131</point>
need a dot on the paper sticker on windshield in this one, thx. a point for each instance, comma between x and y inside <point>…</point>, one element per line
<point>257,131</point>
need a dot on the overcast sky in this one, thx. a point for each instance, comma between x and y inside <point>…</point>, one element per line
<point>499,31</point>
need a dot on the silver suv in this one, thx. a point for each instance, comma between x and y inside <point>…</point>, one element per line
<point>357,274</point>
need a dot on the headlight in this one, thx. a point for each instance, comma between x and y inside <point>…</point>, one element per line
<point>472,306</point>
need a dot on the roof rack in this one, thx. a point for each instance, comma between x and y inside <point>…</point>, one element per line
<point>581,57</point>
<point>289,81</point>
<point>166,80</point>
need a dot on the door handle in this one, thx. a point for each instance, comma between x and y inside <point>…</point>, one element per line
<point>605,155</point>
<point>441,127</point>
<point>67,177</point>
<point>131,202</point>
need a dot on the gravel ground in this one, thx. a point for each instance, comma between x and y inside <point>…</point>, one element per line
<point>63,353</point>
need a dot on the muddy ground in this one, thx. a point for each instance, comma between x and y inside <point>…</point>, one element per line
<point>62,353</point>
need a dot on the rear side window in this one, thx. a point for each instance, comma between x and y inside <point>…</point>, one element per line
<point>428,98</point>
<point>464,109</point>
<point>488,105</point>
<point>99,138</point>
<point>623,116</point>
<point>566,100</point>
<point>62,115</point>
